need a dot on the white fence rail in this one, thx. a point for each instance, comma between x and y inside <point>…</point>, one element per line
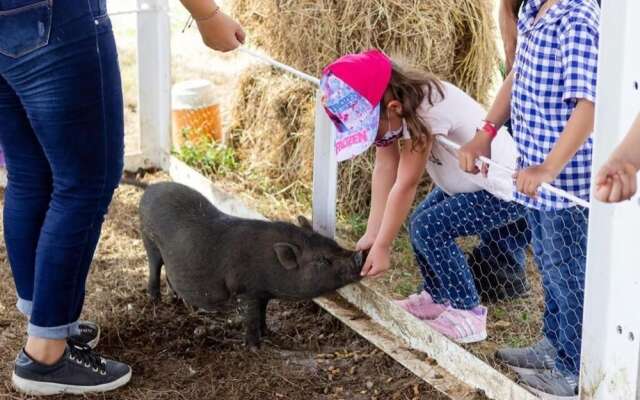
<point>611,350</point>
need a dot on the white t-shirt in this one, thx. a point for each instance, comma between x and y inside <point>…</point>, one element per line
<point>457,117</point>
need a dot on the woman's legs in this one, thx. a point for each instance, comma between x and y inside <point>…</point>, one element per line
<point>26,202</point>
<point>70,138</point>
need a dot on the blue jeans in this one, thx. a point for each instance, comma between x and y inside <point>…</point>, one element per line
<point>62,131</point>
<point>436,224</point>
<point>560,248</point>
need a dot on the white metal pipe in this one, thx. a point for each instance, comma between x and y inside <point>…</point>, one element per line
<point>280,65</point>
<point>545,186</point>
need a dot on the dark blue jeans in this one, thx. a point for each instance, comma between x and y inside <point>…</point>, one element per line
<point>61,128</point>
<point>441,219</point>
<point>560,248</point>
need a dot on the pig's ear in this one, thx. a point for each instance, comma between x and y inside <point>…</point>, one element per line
<point>287,254</point>
<point>305,223</point>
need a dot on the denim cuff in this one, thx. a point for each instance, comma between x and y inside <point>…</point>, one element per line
<point>55,332</point>
<point>25,307</point>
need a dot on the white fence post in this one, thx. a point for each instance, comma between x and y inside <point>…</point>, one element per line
<point>154,81</point>
<point>611,333</point>
<point>325,172</point>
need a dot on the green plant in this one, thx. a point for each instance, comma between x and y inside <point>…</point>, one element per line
<point>208,156</point>
<point>502,67</point>
<point>357,224</point>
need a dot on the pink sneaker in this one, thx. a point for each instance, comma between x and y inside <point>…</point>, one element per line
<point>421,306</point>
<point>462,326</point>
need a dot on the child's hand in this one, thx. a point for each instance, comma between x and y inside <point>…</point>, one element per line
<point>365,242</point>
<point>468,154</point>
<point>616,181</point>
<point>528,180</point>
<point>377,263</point>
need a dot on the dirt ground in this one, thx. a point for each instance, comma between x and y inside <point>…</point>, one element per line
<point>180,353</point>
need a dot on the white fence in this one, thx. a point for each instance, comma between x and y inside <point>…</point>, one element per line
<point>611,350</point>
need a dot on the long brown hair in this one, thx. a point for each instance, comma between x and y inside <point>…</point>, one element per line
<point>411,87</point>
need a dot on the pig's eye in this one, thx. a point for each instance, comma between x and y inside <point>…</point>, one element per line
<point>324,260</point>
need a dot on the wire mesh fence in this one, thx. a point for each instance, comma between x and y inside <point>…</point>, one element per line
<point>457,286</point>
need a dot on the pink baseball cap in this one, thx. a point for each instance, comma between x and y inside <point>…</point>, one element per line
<point>352,88</point>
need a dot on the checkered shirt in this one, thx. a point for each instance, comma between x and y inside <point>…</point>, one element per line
<point>555,66</point>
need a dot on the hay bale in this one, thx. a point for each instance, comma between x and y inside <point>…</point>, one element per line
<point>453,39</point>
<point>272,132</point>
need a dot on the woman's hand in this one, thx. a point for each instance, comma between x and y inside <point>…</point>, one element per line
<point>378,261</point>
<point>221,32</point>
<point>616,181</point>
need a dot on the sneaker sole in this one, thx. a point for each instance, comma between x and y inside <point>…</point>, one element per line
<point>472,339</point>
<point>526,371</point>
<point>49,389</point>
<point>547,396</point>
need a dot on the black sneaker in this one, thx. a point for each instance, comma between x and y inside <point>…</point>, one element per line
<point>79,371</point>
<point>89,334</point>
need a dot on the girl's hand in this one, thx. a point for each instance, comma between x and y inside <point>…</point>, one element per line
<point>221,32</point>
<point>616,182</point>
<point>529,179</point>
<point>468,154</point>
<point>365,242</point>
<point>377,263</point>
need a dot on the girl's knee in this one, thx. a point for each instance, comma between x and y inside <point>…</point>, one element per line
<point>423,229</point>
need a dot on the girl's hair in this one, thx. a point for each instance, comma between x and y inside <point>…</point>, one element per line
<point>412,87</point>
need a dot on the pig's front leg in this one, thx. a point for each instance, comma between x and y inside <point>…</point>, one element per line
<point>264,330</point>
<point>253,322</point>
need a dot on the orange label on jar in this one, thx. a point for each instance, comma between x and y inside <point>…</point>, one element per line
<point>196,124</point>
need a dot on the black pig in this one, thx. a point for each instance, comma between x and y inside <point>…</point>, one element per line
<point>211,257</point>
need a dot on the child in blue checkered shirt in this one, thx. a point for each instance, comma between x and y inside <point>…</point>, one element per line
<point>550,97</point>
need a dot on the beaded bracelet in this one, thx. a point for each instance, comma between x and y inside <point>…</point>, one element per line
<point>208,17</point>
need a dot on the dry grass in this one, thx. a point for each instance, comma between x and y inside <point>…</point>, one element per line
<point>273,130</point>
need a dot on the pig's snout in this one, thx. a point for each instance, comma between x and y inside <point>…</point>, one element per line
<point>358,258</point>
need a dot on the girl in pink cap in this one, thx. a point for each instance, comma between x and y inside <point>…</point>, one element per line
<point>374,100</point>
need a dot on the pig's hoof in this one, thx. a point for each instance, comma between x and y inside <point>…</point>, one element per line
<point>266,332</point>
<point>252,344</point>
<point>253,348</point>
<point>154,296</point>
